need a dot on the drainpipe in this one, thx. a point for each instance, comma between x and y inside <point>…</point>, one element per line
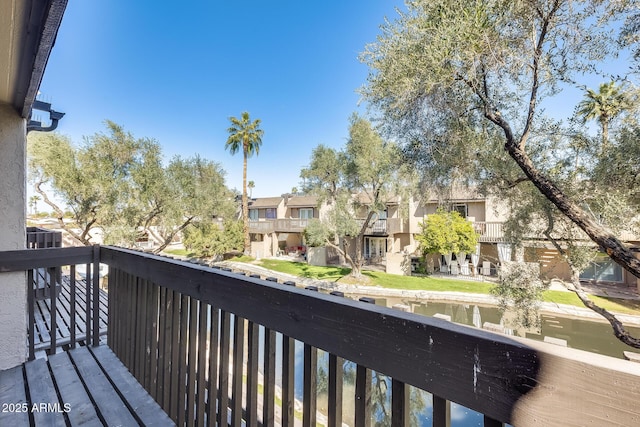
<point>54,116</point>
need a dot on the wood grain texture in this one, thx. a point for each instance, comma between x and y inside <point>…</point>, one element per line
<point>502,377</point>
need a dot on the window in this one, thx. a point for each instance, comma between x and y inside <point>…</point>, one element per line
<point>305,213</point>
<point>271,213</point>
<point>382,214</point>
<point>602,269</point>
<point>461,209</point>
<point>253,214</point>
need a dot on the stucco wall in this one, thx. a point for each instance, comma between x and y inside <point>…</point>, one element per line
<point>13,296</point>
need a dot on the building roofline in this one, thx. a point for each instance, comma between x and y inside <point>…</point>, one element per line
<point>42,24</point>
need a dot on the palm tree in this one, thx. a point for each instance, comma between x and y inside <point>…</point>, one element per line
<point>251,186</point>
<point>604,106</point>
<point>245,134</point>
<point>33,204</point>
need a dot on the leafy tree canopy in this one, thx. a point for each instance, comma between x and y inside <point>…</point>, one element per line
<point>462,86</point>
<point>357,182</point>
<point>118,183</point>
<point>209,239</point>
<point>445,233</point>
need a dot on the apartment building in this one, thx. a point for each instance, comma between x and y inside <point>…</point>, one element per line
<point>277,225</point>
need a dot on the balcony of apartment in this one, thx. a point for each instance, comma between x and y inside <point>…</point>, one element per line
<point>262,226</point>
<point>291,225</point>
<point>489,232</point>
<point>378,227</point>
<point>213,347</point>
<point>284,225</point>
<point>398,225</point>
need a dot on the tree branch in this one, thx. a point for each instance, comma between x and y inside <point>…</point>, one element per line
<point>60,215</point>
<point>171,235</point>
<point>618,328</point>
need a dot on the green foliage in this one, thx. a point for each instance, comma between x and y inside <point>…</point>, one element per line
<point>445,233</point>
<point>520,289</point>
<point>118,183</point>
<point>460,84</point>
<point>316,233</point>
<point>356,182</point>
<point>324,175</point>
<point>208,239</point>
<point>244,135</point>
<point>604,106</point>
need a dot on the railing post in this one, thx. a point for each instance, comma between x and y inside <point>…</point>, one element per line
<point>335,385</point>
<point>441,412</point>
<point>72,302</point>
<point>96,295</point>
<point>87,313</point>
<point>363,389</point>
<point>52,274</point>
<point>310,377</point>
<point>31,289</point>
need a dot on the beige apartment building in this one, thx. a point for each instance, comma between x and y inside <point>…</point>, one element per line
<point>277,225</point>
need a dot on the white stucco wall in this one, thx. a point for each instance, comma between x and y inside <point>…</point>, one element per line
<point>13,296</point>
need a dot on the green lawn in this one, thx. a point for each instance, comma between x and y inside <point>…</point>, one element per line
<point>179,252</point>
<point>617,305</point>
<point>375,278</point>
<point>305,270</point>
<point>393,281</point>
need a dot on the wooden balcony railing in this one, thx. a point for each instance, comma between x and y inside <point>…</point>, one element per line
<point>262,227</point>
<point>291,225</point>
<point>397,225</point>
<point>286,225</point>
<point>38,238</point>
<point>208,344</point>
<point>59,320</point>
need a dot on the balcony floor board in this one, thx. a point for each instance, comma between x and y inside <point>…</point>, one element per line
<point>84,386</point>
<point>42,335</point>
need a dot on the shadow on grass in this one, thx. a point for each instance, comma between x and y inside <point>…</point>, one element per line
<point>333,274</point>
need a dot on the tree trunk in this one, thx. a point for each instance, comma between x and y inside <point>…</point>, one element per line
<point>596,232</point>
<point>359,259</point>
<point>245,206</point>
<point>347,257</point>
<point>605,134</point>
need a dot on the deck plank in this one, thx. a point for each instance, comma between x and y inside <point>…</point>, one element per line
<point>42,339</point>
<point>110,406</point>
<point>43,393</point>
<point>12,392</point>
<point>140,402</point>
<point>72,391</point>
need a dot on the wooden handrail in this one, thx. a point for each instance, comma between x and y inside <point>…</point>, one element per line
<point>507,379</point>
<point>159,308</point>
<point>44,273</point>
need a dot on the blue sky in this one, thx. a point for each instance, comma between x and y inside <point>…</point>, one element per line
<point>176,72</point>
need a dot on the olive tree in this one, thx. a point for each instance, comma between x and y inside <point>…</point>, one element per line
<point>362,177</point>
<point>462,86</point>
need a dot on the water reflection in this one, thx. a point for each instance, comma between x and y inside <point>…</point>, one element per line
<point>588,335</point>
<point>581,334</point>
